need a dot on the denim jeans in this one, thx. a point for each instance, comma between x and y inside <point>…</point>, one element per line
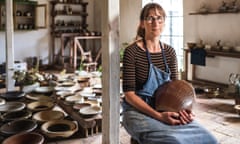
<point>147,130</point>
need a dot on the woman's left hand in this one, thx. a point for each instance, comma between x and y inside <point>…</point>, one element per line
<point>186,116</point>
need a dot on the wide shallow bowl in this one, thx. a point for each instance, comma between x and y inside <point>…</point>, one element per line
<point>174,96</point>
<point>16,115</point>
<point>37,97</point>
<point>48,115</point>
<point>18,126</point>
<point>78,106</point>
<point>25,138</point>
<point>44,89</point>
<point>2,101</point>
<point>12,95</point>
<point>59,128</point>
<point>74,99</point>
<point>40,105</point>
<point>12,106</point>
<point>90,111</point>
<point>237,108</point>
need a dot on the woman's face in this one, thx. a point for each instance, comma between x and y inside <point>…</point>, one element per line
<point>153,24</point>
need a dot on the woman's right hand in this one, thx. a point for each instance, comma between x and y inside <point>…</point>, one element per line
<point>171,118</point>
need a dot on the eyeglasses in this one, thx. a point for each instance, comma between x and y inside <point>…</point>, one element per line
<point>150,19</point>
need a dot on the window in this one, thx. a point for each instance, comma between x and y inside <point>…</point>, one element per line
<point>173,32</point>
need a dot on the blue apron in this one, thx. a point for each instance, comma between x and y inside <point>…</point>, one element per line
<point>156,77</point>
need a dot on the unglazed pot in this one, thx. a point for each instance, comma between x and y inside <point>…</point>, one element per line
<point>175,96</point>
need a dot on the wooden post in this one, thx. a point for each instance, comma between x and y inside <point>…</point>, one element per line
<point>9,45</point>
<point>111,71</point>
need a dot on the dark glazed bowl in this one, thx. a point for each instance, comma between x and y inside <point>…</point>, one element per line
<point>25,138</point>
<point>18,126</point>
<point>175,96</point>
<point>12,106</point>
<point>12,95</point>
<point>16,115</point>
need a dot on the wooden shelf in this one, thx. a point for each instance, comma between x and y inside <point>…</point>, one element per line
<point>212,53</point>
<point>213,12</point>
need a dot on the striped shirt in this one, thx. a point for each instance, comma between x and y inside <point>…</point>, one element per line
<point>135,65</point>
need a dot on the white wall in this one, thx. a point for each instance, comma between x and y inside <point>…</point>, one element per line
<point>28,43</point>
<point>37,42</point>
<point>211,28</point>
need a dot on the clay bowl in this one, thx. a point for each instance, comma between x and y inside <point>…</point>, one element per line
<point>175,96</point>
<point>2,101</point>
<point>25,138</point>
<point>12,106</point>
<point>237,108</point>
<point>18,126</point>
<point>40,105</point>
<point>59,128</point>
<point>78,106</point>
<point>16,115</point>
<point>12,95</point>
<point>48,115</point>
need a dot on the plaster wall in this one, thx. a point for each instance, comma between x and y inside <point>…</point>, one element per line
<point>210,29</point>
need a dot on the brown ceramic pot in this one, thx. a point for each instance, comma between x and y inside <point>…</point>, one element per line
<point>175,96</point>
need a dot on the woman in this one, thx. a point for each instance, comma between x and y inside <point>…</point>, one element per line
<point>147,64</point>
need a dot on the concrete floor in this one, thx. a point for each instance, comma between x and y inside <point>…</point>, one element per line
<point>216,114</point>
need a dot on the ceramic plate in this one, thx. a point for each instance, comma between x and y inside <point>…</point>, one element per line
<point>74,98</point>
<point>12,106</point>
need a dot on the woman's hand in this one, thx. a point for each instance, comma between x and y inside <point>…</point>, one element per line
<point>171,118</point>
<point>174,118</point>
<point>186,116</point>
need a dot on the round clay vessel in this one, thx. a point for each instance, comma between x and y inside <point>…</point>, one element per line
<point>174,96</point>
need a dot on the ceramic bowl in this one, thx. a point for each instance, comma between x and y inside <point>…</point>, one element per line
<point>78,106</point>
<point>2,101</point>
<point>237,108</point>
<point>175,96</point>
<point>38,97</point>
<point>48,115</point>
<point>18,126</point>
<point>16,115</point>
<point>25,138</point>
<point>40,105</point>
<point>74,99</point>
<point>12,106</point>
<point>90,111</point>
<point>59,128</point>
<point>12,95</point>
<point>44,89</point>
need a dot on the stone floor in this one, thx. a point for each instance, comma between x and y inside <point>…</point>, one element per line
<point>216,114</point>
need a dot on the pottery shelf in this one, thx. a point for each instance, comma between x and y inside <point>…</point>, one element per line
<point>213,12</point>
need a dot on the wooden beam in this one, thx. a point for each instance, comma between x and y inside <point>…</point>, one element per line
<point>9,45</point>
<point>111,71</point>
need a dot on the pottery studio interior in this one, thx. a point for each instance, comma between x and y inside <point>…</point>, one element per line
<point>61,64</point>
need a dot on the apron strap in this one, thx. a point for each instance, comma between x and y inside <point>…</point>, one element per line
<point>163,55</point>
